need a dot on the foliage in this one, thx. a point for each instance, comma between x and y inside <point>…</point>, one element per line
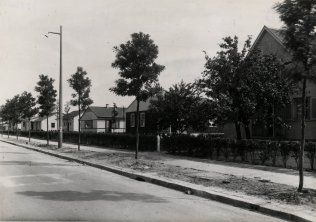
<point>47,95</point>
<point>10,111</point>
<point>285,151</point>
<point>138,71</point>
<point>67,107</point>
<point>27,103</point>
<point>46,98</point>
<point>181,107</point>
<point>299,37</point>
<point>243,83</point>
<point>120,141</point>
<point>81,85</point>
<point>311,153</point>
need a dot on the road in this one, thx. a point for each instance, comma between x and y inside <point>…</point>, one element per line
<point>35,186</point>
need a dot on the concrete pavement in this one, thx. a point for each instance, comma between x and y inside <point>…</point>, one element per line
<point>35,186</point>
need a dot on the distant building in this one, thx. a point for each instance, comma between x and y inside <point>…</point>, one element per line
<point>40,123</point>
<point>102,120</point>
<point>70,121</point>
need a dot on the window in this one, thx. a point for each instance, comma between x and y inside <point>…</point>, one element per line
<point>313,108</point>
<point>52,125</point>
<point>88,124</point>
<point>132,123</point>
<point>297,111</point>
<point>142,120</point>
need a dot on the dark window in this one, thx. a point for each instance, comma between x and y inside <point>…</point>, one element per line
<point>132,123</point>
<point>52,125</point>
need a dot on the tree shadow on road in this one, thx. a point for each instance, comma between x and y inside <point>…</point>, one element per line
<point>93,195</point>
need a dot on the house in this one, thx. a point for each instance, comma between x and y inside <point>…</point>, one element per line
<point>26,125</point>
<point>40,123</point>
<point>147,124</point>
<point>71,121</point>
<point>270,41</point>
<point>102,119</point>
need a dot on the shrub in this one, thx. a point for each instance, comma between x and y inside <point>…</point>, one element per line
<point>274,148</point>
<point>264,151</point>
<point>295,150</point>
<point>285,151</point>
<point>311,153</point>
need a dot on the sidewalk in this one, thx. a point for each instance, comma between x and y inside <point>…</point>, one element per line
<point>240,185</point>
<point>213,169</point>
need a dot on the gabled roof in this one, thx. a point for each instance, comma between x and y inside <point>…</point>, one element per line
<point>107,112</point>
<point>275,33</point>
<point>39,118</point>
<point>71,115</point>
<point>143,105</point>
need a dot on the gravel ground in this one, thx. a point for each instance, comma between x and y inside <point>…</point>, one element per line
<point>153,163</point>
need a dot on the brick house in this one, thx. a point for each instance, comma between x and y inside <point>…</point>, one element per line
<point>147,123</point>
<point>270,41</point>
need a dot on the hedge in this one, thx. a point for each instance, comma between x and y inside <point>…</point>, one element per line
<point>251,151</point>
<point>113,140</point>
<point>204,146</point>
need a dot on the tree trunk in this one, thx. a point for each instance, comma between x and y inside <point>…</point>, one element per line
<point>79,130</point>
<point>17,133</point>
<point>47,134</point>
<point>238,132</point>
<point>8,130</point>
<point>137,130</point>
<point>301,155</point>
<point>29,130</point>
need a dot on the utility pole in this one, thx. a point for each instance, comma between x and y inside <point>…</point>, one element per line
<point>60,127</point>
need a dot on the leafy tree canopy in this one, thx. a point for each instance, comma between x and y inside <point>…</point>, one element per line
<point>138,71</point>
<point>243,82</point>
<point>182,108</point>
<point>81,85</point>
<point>47,95</point>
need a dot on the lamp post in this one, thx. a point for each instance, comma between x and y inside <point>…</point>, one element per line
<point>60,130</point>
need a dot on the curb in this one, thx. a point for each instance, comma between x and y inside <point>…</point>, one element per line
<point>179,187</point>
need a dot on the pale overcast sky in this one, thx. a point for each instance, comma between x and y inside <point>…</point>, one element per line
<point>181,28</point>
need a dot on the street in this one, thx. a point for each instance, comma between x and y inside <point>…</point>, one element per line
<point>36,186</point>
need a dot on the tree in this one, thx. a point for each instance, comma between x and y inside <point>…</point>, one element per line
<point>67,107</point>
<point>138,71</point>
<point>81,85</point>
<point>182,108</point>
<point>299,17</point>
<point>242,83</point>
<point>46,98</point>
<point>27,108</point>
<point>9,112</point>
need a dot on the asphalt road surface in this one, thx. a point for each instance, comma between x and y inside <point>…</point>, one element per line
<point>35,186</point>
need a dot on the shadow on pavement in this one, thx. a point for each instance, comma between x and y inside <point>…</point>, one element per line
<point>93,195</point>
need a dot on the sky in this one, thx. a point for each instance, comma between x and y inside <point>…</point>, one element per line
<point>182,29</point>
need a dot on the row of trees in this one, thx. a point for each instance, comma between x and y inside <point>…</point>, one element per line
<point>24,106</point>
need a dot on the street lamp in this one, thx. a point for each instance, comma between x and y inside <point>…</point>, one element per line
<point>60,130</point>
